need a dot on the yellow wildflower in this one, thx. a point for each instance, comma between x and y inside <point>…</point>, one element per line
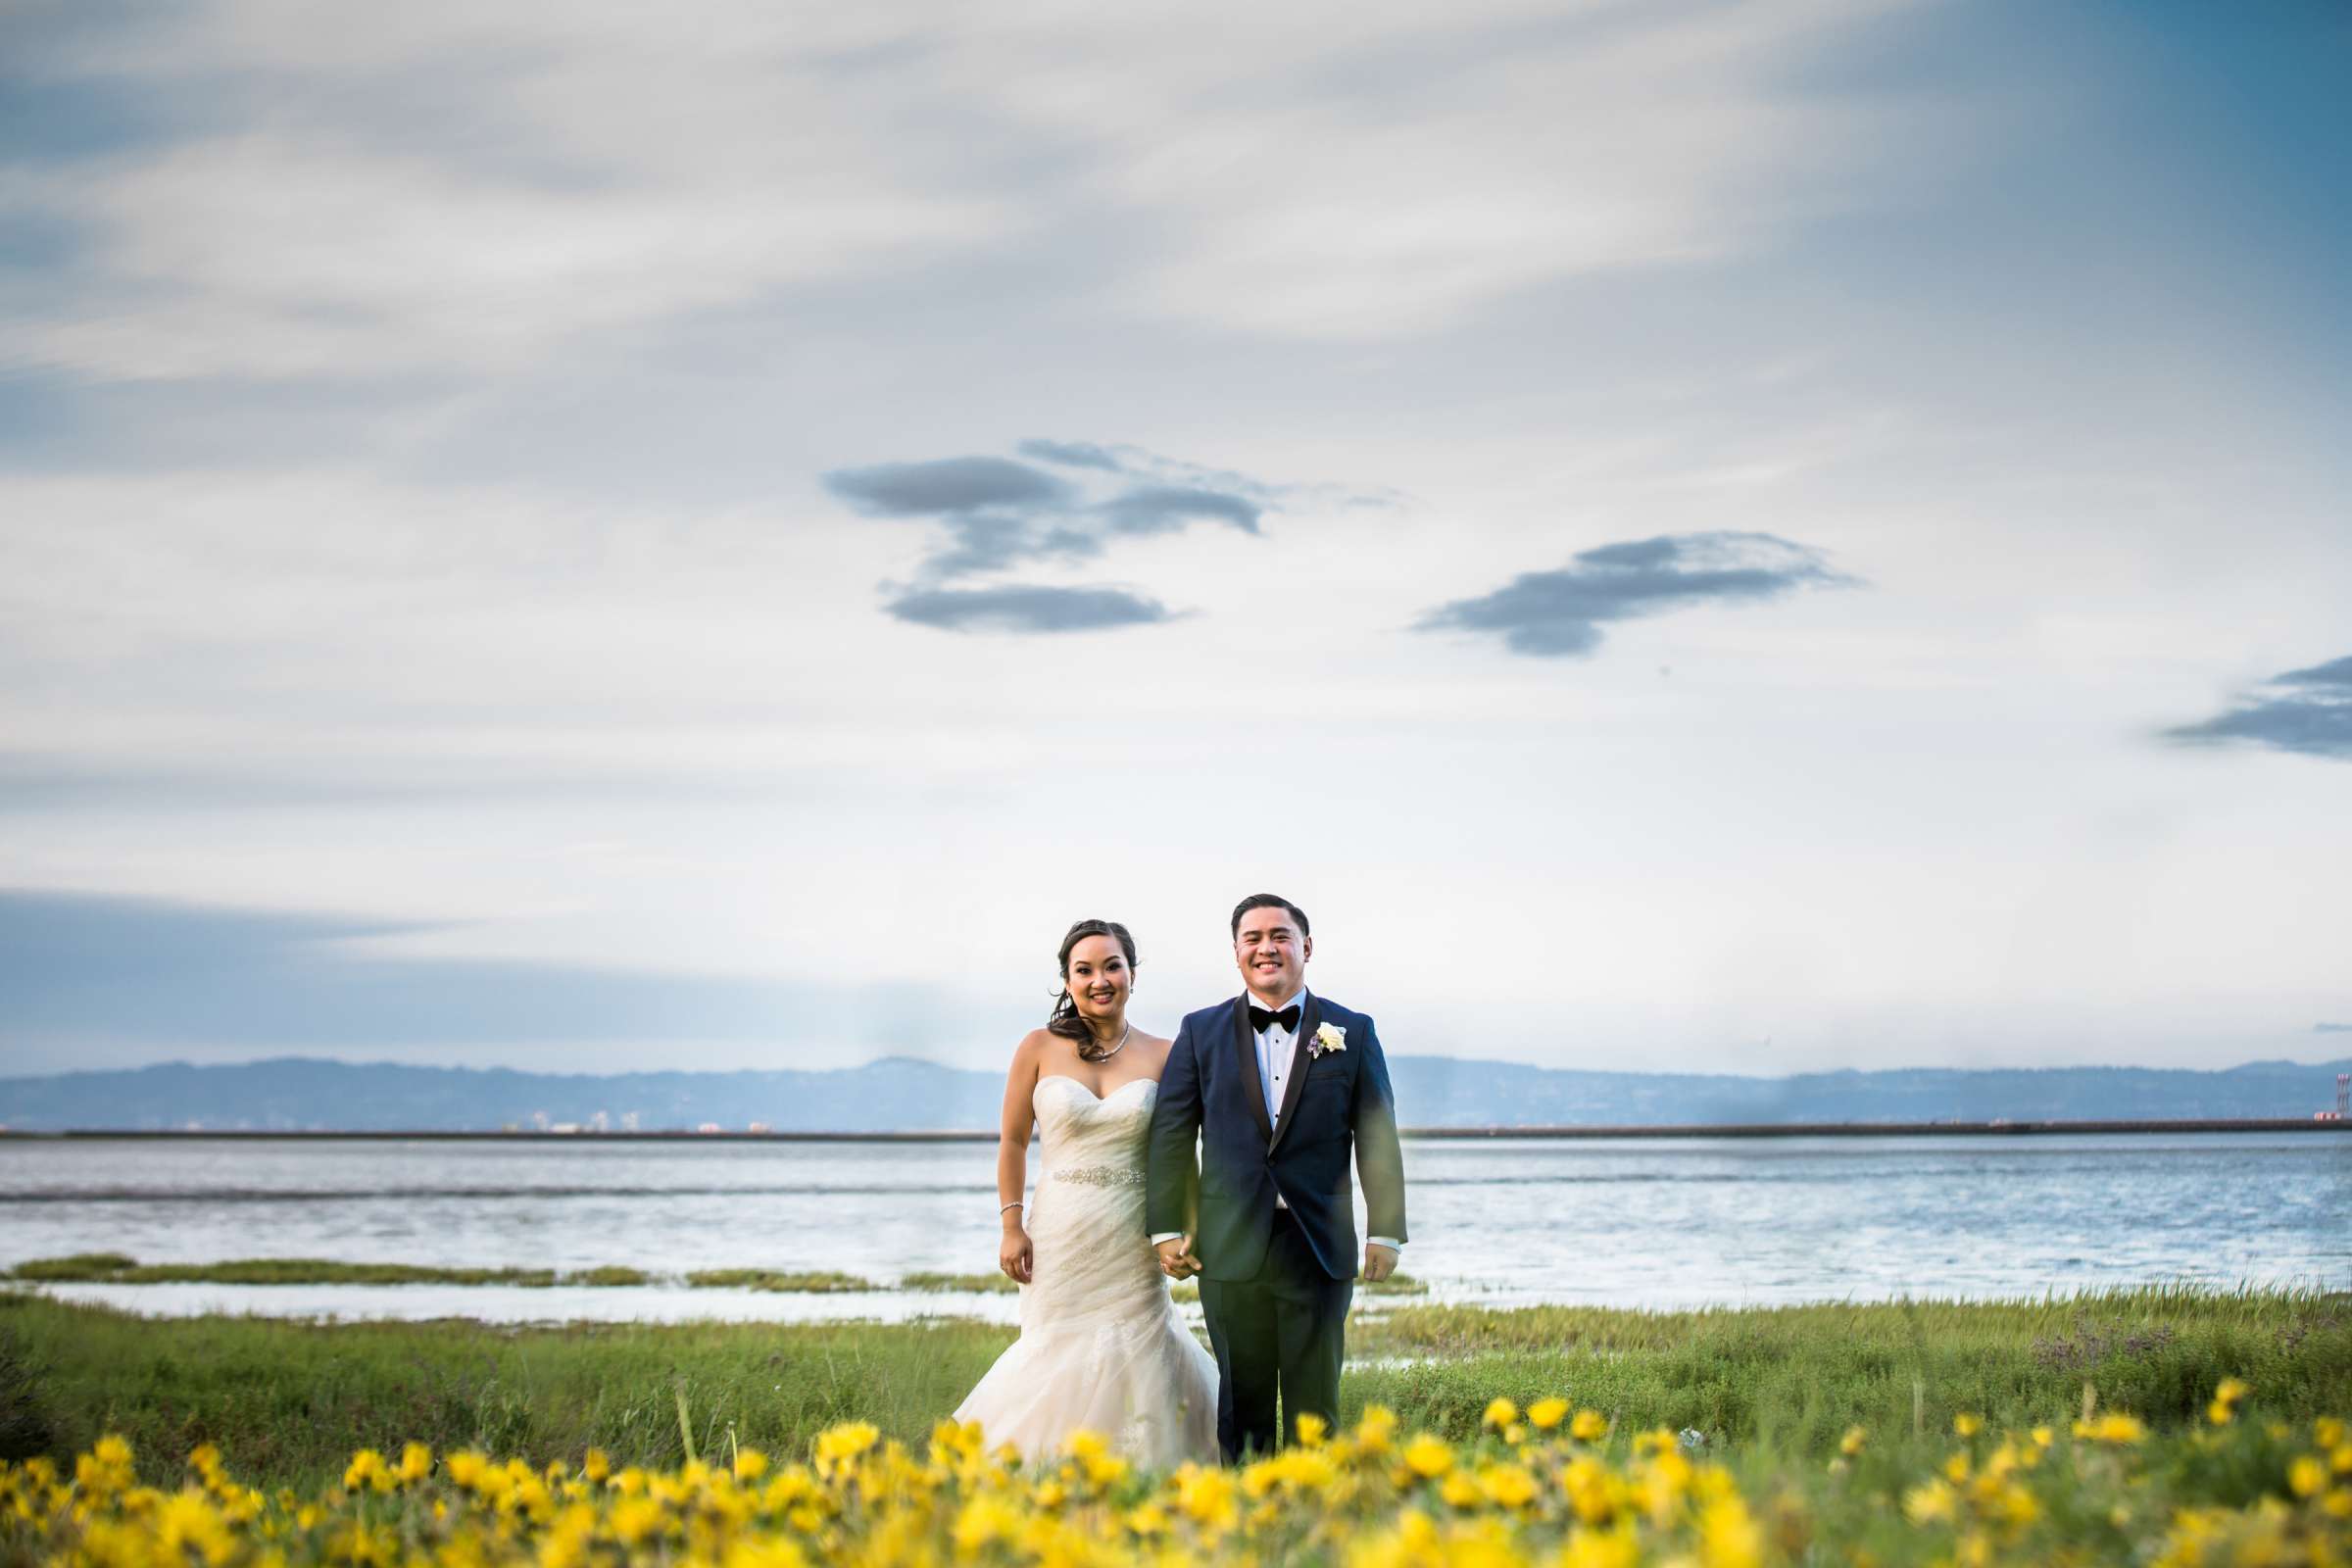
<point>1544,1414</point>
<point>2305,1476</point>
<point>1507,1486</point>
<point>1590,1426</point>
<point>1934,1502</point>
<point>1852,1444</point>
<point>416,1462</point>
<point>2111,1429</point>
<point>1428,1456</point>
<point>633,1519</point>
<point>1968,1424</point>
<point>983,1521</point>
<point>842,1444</point>
<point>1595,1491</point>
<point>1729,1537</point>
<point>1501,1413</point>
<point>1600,1548</point>
<point>1208,1497</point>
<point>366,1469</point>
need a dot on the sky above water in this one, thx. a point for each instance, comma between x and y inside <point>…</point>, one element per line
<point>1745,537</point>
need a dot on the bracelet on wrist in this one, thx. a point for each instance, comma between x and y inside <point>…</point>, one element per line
<point>1015,1203</point>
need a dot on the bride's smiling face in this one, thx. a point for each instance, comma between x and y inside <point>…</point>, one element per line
<point>1099,977</point>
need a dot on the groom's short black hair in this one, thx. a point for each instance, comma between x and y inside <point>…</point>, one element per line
<point>1268,900</point>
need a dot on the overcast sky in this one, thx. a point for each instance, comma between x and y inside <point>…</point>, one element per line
<point>1731,536</point>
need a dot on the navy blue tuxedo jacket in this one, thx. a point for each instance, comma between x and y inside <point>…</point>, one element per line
<point>1332,1102</point>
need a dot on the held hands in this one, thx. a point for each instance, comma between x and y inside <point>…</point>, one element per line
<point>1379,1262</point>
<point>1014,1255</point>
<point>1177,1259</point>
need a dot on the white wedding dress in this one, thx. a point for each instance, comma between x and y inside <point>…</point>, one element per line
<point>1101,1347</point>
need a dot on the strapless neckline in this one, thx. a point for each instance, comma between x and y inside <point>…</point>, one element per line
<point>1063,1077</point>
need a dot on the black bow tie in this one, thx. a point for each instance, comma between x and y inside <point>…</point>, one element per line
<point>1261,1019</point>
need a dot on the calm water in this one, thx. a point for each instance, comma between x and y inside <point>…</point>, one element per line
<point>1632,1222</point>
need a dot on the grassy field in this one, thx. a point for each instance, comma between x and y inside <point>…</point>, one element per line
<point>117,1268</point>
<point>290,1401</point>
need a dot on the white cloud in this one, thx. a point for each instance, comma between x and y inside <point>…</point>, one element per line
<point>1320,171</point>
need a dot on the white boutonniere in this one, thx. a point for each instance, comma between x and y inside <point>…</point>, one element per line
<point>1329,1038</point>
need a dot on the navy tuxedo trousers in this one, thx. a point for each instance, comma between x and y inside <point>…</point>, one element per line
<point>1284,1328</point>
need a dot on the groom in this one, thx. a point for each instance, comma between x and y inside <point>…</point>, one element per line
<point>1276,1084</point>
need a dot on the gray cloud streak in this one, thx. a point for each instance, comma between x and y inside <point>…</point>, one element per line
<point>998,514</point>
<point>1027,608</point>
<point>1072,455</point>
<point>946,486</point>
<point>1559,614</point>
<point>2304,712</point>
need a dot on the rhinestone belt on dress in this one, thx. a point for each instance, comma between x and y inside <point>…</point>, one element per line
<point>1101,1175</point>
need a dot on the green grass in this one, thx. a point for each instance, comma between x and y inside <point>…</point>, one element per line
<point>611,1274</point>
<point>1802,1375</point>
<point>79,1266</point>
<point>113,1268</point>
<point>289,1402</point>
<point>819,1282</point>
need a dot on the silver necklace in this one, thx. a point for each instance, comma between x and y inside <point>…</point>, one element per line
<point>1115,1050</point>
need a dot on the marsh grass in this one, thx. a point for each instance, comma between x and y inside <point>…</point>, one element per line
<point>1803,1375</point>
<point>819,1282</point>
<point>78,1267</point>
<point>113,1268</point>
<point>612,1275</point>
<point>293,1399</point>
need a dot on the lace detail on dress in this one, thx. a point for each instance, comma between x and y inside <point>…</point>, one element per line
<point>1101,1347</point>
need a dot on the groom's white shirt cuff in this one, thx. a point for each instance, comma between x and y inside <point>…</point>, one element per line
<point>1273,1063</point>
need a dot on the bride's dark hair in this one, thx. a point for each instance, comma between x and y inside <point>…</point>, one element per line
<point>1065,1020</point>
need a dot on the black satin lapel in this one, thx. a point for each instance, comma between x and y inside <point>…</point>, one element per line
<point>1254,1088</point>
<point>1310,1015</point>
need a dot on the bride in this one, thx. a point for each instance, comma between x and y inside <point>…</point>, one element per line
<point>1102,1348</point>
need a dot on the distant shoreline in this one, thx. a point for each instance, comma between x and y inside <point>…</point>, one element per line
<point>1905,1129</point>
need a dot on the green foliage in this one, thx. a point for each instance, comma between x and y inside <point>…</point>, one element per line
<point>813,1282</point>
<point>611,1274</point>
<point>293,1399</point>
<point>79,1266</point>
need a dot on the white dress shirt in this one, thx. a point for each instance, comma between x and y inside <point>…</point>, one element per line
<point>1276,1047</point>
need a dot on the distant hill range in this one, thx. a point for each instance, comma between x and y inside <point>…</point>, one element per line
<point>902,1094</point>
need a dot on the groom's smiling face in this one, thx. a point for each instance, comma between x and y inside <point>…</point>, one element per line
<point>1272,952</point>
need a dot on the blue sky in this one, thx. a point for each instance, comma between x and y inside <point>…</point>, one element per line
<point>1747,537</point>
